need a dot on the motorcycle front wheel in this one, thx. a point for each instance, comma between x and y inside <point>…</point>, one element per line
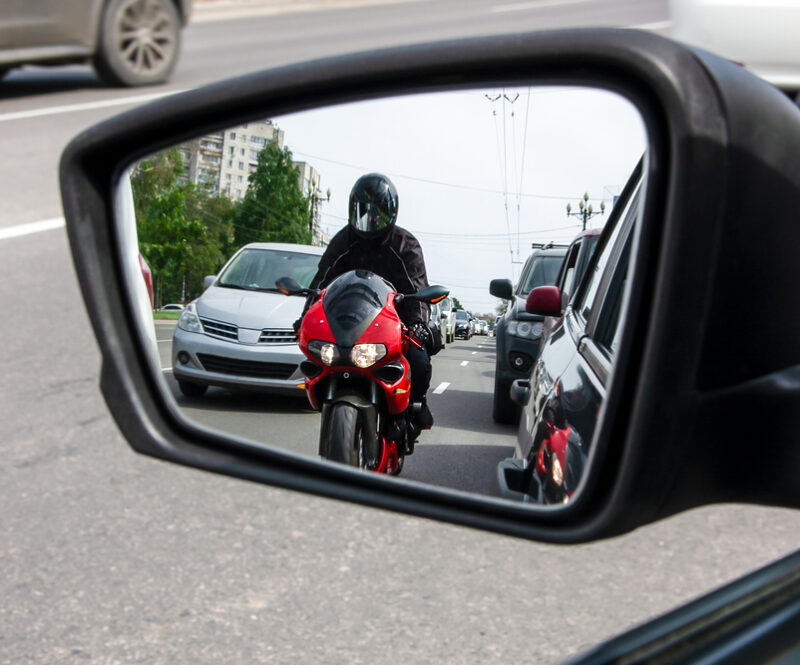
<point>345,443</point>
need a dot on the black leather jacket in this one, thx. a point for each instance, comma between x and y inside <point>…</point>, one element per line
<point>397,258</point>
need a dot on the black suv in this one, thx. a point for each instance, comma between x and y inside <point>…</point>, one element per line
<point>518,332</point>
<point>562,400</point>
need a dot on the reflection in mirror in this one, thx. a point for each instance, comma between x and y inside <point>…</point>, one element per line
<point>282,252</point>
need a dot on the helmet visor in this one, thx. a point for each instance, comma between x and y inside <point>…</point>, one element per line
<point>370,218</point>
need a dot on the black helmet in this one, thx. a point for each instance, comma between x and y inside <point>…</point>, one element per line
<point>373,206</point>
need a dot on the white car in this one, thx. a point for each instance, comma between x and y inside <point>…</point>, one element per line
<point>238,333</point>
<point>762,35</point>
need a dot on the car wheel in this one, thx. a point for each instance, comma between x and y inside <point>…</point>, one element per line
<point>139,42</point>
<point>504,411</point>
<point>192,389</point>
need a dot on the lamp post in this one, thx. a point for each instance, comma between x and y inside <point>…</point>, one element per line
<point>585,210</point>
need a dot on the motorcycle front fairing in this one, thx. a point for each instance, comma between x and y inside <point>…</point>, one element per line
<point>356,308</point>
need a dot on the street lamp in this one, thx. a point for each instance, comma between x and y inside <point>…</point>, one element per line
<point>585,210</point>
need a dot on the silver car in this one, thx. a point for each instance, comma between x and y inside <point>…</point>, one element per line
<point>239,334</point>
<point>129,42</point>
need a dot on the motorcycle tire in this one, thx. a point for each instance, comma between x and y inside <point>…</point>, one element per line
<point>399,468</point>
<point>345,442</point>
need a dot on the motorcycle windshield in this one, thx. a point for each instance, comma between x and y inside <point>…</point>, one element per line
<point>351,303</point>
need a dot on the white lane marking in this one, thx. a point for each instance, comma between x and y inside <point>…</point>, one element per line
<point>465,363</point>
<point>163,341</point>
<point>534,4</point>
<point>657,25</point>
<point>87,106</point>
<point>441,388</point>
<point>166,370</point>
<point>31,227</point>
<point>226,11</point>
<point>474,353</point>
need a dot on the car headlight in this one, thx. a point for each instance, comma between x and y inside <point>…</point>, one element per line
<point>556,472</point>
<point>366,355</point>
<point>327,352</point>
<point>189,320</point>
<point>525,329</point>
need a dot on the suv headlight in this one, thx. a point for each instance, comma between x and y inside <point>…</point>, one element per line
<point>189,320</point>
<point>525,329</point>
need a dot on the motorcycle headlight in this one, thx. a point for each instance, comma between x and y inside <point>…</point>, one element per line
<point>189,320</point>
<point>366,355</point>
<point>327,352</point>
<point>556,471</point>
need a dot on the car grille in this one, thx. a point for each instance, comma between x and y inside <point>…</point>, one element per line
<point>219,329</point>
<point>259,370</point>
<point>277,336</point>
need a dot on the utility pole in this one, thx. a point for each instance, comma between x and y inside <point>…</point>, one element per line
<point>585,211</point>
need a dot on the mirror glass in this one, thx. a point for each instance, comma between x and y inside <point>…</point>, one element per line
<point>453,189</point>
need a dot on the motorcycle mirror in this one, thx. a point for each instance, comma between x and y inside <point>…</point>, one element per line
<point>430,294</point>
<point>639,441</point>
<point>290,287</point>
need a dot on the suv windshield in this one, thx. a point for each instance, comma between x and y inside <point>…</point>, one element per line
<point>259,269</point>
<point>461,315</point>
<point>543,272</point>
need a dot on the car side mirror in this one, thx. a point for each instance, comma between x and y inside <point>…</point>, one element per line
<point>704,171</point>
<point>208,280</point>
<point>544,301</point>
<point>501,288</point>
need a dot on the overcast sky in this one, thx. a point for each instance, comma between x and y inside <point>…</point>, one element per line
<point>480,174</point>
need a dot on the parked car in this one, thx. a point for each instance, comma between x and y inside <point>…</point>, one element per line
<point>129,42</point>
<point>448,320</point>
<point>519,332</point>
<point>463,324</point>
<point>561,401</point>
<point>239,333</point>
<point>436,324</point>
<point>171,307</point>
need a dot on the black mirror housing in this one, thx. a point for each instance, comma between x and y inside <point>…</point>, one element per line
<point>721,178</point>
<point>501,288</point>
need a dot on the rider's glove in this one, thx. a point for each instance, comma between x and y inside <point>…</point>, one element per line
<point>421,333</point>
<point>296,325</point>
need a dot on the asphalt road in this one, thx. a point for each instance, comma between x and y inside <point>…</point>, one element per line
<point>107,557</point>
<point>460,452</point>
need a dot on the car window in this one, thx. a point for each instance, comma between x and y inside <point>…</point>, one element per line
<point>608,329</point>
<point>259,269</point>
<point>569,270</point>
<point>593,279</point>
<point>543,272</point>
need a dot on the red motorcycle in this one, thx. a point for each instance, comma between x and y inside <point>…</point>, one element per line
<point>356,373</point>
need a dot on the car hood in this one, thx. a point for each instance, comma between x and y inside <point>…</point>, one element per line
<point>249,309</point>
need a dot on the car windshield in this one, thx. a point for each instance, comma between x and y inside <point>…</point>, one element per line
<point>461,316</point>
<point>543,272</point>
<point>259,269</point>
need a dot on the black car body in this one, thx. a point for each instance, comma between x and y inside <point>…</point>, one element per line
<point>562,400</point>
<point>518,332</point>
<point>463,324</point>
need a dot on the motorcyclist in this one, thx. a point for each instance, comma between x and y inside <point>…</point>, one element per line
<point>372,241</point>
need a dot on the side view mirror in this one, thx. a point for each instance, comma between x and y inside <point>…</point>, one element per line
<point>208,280</point>
<point>544,300</point>
<point>501,288</point>
<point>659,416</point>
<point>430,294</point>
<point>290,287</point>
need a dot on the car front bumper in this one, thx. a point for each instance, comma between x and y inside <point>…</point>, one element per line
<point>215,362</point>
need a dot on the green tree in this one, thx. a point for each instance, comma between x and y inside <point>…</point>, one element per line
<point>184,232</point>
<point>457,304</point>
<point>274,208</point>
<point>502,307</point>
